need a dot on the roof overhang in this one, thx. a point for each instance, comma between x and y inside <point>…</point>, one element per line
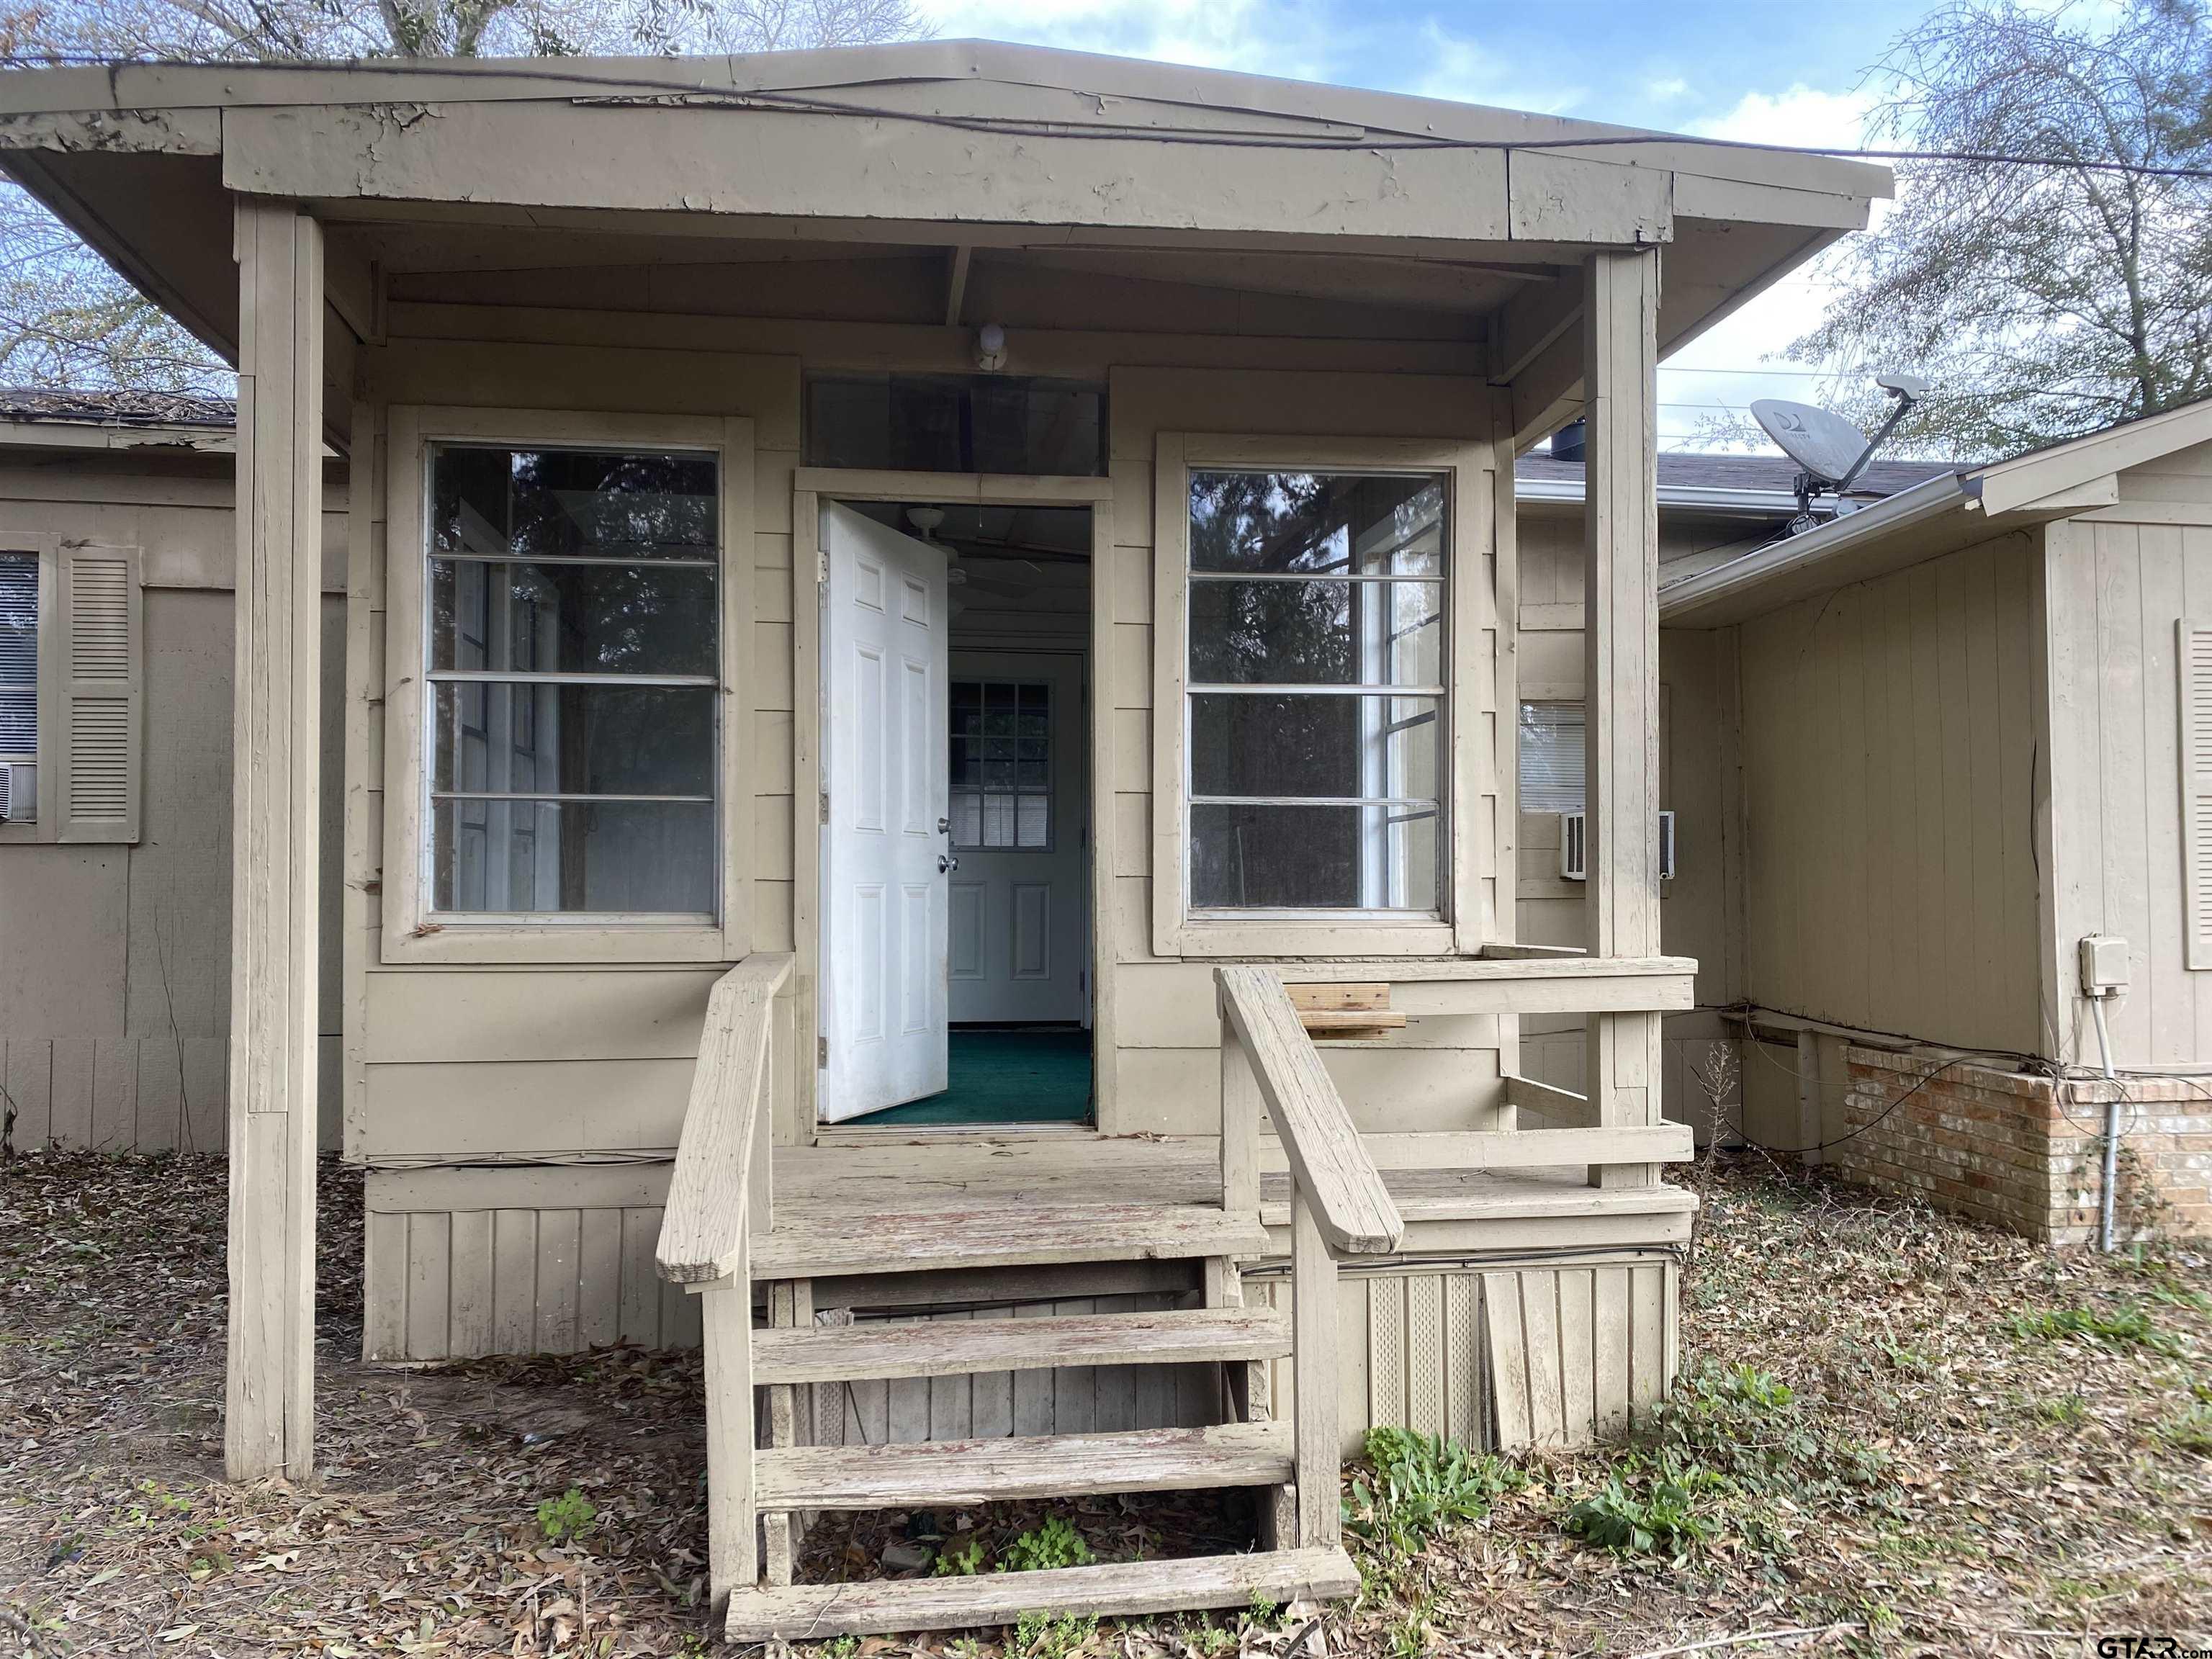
<point>960,144</point>
<point>1944,515</point>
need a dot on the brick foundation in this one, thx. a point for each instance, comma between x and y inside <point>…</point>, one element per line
<point>2026,1152</point>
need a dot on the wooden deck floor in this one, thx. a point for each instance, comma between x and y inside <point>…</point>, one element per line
<point>827,1195</point>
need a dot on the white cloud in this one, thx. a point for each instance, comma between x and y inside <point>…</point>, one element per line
<point>1466,72</point>
<point>1259,37</point>
<point>1668,90</point>
<point>1803,115</point>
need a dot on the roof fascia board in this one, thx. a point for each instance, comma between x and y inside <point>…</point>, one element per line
<point>169,86</point>
<point>2007,486</point>
<point>1723,594</point>
<point>804,168</point>
<point>1714,499</point>
<point>18,433</point>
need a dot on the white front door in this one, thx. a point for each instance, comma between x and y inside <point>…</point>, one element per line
<point>884,846</point>
<point>1020,829</point>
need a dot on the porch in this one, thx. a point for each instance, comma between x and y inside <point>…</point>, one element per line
<point>895,1228</point>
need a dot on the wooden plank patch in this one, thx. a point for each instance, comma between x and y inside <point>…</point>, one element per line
<point>1117,1590</point>
<point>883,1348</point>
<point>1045,1465</point>
<point>1000,1235</point>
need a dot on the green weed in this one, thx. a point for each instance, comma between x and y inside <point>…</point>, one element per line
<point>2125,1326</point>
<point>2066,1411</point>
<point>1042,1636</point>
<point>565,1519</point>
<point>1662,1520</point>
<point>2189,1430</point>
<point>1422,1485</point>
<point>963,1563</point>
<point>1054,1544</point>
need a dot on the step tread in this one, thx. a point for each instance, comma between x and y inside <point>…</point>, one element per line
<point>944,1348</point>
<point>1116,1589</point>
<point>999,1235</point>
<point>949,1472</point>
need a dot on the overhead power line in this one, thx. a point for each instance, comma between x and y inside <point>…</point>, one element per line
<point>1391,138</point>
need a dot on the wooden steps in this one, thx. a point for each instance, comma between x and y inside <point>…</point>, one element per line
<point>1001,1235</point>
<point>880,1348</point>
<point>810,1611</point>
<point>950,1472</point>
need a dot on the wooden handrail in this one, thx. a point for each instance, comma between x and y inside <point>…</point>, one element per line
<point>1328,1159</point>
<point>702,1230</point>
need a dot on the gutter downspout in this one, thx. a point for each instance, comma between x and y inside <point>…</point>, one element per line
<point>2106,1240</point>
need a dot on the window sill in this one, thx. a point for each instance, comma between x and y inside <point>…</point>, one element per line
<point>581,943</point>
<point>1313,936</point>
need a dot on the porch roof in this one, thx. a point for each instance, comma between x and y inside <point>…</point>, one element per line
<point>1105,165</point>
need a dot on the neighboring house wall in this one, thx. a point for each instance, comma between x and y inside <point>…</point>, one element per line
<point>115,971</point>
<point>2121,580</point>
<point>1890,783</point>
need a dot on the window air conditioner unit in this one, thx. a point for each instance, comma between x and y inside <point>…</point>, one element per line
<point>1574,847</point>
<point>19,791</point>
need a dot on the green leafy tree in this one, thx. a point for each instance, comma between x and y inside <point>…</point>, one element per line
<point>66,319</point>
<point>2048,300</point>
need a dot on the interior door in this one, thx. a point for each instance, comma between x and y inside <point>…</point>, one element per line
<point>1021,830</point>
<point>885,855</point>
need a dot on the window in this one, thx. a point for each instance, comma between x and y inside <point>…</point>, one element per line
<point>1315,691</point>
<point>19,688</point>
<point>1001,767</point>
<point>573,668</point>
<point>1005,423</point>
<point>1552,776</point>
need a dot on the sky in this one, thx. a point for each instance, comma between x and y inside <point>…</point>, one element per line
<point>1776,71</point>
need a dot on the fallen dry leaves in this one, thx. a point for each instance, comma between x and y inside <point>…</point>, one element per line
<point>2039,1492</point>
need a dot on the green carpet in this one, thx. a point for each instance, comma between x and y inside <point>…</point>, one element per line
<point>1007,1077</point>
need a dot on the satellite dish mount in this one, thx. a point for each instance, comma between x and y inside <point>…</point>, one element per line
<point>1829,452</point>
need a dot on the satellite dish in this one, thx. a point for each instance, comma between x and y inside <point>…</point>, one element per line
<point>1819,440</point>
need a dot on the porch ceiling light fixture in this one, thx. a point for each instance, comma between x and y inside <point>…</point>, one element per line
<point>990,347</point>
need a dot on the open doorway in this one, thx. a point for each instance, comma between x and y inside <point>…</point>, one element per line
<point>956,985</point>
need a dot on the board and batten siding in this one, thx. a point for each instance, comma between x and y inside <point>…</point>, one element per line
<point>115,986</point>
<point>2121,581</point>
<point>1890,784</point>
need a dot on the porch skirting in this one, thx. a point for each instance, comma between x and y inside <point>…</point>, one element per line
<point>1489,1350</point>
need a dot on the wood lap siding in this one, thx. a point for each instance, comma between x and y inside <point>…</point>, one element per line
<point>2193,657</point>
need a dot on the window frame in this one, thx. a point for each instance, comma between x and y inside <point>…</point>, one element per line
<point>1461,923</point>
<point>413,930</point>
<point>45,549</point>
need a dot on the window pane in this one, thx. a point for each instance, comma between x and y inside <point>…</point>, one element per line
<point>1316,522</point>
<point>1357,748</point>
<point>1340,857</point>
<point>19,653</point>
<point>574,739</point>
<point>572,618</point>
<point>1316,633</point>
<point>1552,757</point>
<point>956,423</point>
<point>556,502</point>
<point>551,856</point>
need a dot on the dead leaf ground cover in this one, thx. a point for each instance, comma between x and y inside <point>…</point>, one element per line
<point>1898,1433</point>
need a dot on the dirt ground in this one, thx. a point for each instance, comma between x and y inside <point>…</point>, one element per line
<point>1898,1434</point>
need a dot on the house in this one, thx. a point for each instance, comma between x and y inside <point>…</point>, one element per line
<point>115,980</point>
<point>843,545</point>
<point>1964,732</point>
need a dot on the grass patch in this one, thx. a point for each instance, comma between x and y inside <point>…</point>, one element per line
<point>1420,1484</point>
<point>2127,1326</point>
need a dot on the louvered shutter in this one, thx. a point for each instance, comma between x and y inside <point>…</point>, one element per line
<point>103,699</point>
<point>2192,657</point>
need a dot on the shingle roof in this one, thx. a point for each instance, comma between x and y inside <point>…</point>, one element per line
<point>116,408</point>
<point>1695,471</point>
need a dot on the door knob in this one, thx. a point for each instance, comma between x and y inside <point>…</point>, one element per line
<point>946,863</point>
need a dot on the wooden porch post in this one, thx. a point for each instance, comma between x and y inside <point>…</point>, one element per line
<point>1620,620</point>
<point>269,1419</point>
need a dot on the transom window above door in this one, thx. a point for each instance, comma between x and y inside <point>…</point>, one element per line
<point>1001,764</point>
<point>1315,691</point>
<point>573,660</point>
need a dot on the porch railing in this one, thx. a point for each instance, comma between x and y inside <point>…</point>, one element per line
<point>717,1196</point>
<point>1339,1207</point>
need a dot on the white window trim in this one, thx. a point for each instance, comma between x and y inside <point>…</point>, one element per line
<point>1471,612</point>
<point>47,826</point>
<point>412,932</point>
